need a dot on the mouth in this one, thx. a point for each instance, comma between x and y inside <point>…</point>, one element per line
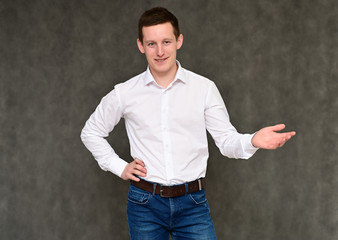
<point>160,60</point>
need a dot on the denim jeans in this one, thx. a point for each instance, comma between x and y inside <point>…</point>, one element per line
<point>152,217</point>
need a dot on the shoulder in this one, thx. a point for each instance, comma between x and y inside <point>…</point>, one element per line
<point>197,79</point>
<point>132,83</point>
<point>126,87</point>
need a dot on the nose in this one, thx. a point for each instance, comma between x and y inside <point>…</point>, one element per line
<point>160,51</point>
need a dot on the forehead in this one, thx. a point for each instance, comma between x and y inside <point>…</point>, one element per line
<point>158,32</point>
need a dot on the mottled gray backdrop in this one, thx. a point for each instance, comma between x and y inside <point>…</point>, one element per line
<point>273,61</point>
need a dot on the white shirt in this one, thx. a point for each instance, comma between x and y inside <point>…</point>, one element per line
<point>166,127</point>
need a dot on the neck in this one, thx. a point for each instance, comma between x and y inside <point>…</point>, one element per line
<point>164,79</point>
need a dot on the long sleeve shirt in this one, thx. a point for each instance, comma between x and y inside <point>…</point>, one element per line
<point>166,127</point>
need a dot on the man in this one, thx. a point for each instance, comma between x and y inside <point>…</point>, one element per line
<point>167,110</point>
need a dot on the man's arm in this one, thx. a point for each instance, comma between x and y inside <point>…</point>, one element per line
<point>229,141</point>
<point>269,138</point>
<point>107,114</point>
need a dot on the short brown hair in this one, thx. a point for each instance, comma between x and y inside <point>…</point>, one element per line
<point>154,16</point>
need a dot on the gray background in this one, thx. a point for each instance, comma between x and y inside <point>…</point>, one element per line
<point>273,61</point>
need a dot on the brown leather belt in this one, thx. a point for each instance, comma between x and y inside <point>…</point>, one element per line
<point>170,191</point>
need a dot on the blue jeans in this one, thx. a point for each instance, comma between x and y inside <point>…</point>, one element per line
<point>152,217</point>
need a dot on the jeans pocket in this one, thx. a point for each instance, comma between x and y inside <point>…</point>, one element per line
<point>198,197</point>
<point>138,196</point>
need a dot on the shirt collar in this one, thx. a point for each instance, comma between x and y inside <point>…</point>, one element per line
<point>180,75</point>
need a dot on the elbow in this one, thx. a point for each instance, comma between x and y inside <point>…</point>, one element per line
<point>83,135</point>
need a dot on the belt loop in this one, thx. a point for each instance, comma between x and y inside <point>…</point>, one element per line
<point>199,184</point>
<point>186,188</point>
<point>154,188</point>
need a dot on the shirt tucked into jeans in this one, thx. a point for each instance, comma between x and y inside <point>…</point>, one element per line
<point>166,128</point>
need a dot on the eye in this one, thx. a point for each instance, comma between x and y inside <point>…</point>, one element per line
<point>166,42</point>
<point>151,44</point>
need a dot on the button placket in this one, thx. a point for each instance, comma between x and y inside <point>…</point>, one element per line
<point>166,135</point>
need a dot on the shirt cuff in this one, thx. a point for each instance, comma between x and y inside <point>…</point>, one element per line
<point>249,148</point>
<point>117,166</point>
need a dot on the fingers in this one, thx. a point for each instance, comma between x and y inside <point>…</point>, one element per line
<point>278,127</point>
<point>284,137</point>
<point>138,161</point>
<point>140,166</point>
<point>134,169</point>
<point>133,178</point>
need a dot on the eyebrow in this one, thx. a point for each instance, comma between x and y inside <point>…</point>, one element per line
<point>166,39</point>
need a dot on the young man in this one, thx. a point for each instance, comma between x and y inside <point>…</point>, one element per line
<point>167,110</point>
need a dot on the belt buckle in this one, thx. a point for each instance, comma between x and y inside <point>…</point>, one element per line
<point>161,192</point>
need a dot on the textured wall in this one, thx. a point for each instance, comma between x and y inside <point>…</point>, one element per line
<point>273,61</point>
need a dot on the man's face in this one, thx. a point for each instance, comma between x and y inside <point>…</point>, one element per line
<point>160,47</point>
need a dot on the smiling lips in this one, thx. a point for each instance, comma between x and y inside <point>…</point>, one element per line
<point>161,59</point>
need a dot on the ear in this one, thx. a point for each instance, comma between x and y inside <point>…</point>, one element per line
<point>179,41</point>
<point>140,46</point>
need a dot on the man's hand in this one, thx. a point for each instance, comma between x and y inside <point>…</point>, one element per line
<point>269,138</point>
<point>136,167</point>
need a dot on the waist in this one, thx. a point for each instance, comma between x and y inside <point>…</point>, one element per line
<point>170,191</point>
